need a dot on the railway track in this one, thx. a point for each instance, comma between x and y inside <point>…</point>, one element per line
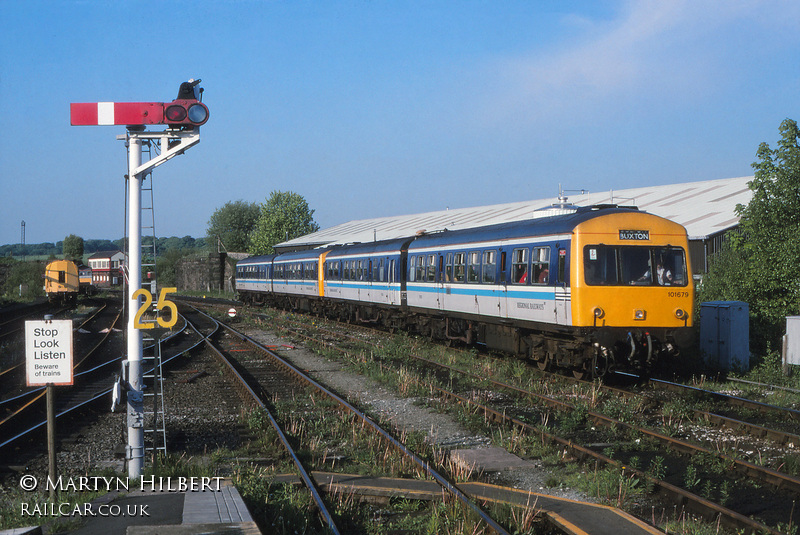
<point>781,498</point>
<point>263,383</point>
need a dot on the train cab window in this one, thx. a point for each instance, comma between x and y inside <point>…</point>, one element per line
<point>519,266</point>
<point>431,269</point>
<point>459,267</point>
<point>670,265</point>
<point>632,265</point>
<point>473,266</point>
<point>489,267</point>
<point>62,277</point>
<point>540,263</point>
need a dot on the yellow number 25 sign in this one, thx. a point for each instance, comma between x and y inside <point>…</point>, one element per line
<point>160,305</point>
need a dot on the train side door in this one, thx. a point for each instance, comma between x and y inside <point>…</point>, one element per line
<point>563,299</point>
<point>439,281</point>
<point>502,281</point>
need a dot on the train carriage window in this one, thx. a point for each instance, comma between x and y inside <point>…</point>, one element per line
<point>459,267</point>
<point>392,276</point>
<point>473,266</point>
<point>412,270</point>
<point>380,271</point>
<point>420,273</point>
<point>448,269</point>
<point>489,268</point>
<point>519,266</point>
<point>431,268</point>
<point>540,262</point>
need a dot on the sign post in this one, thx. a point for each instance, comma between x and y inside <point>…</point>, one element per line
<point>48,362</point>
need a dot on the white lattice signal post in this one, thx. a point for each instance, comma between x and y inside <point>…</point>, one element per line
<point>183,117</point>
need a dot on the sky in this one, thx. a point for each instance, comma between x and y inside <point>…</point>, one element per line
<point>377,108</point>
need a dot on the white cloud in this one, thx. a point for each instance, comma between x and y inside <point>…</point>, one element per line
<point>654,50</point>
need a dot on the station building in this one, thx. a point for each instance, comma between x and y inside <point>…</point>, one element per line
<point>707,209</point>
<point>107,268</point>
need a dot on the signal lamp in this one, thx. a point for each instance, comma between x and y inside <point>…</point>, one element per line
<point>680,313</point>
<point>185,112</point>
<point>598,312</point>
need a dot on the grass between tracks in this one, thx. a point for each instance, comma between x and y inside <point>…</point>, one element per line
<point>390,365</point>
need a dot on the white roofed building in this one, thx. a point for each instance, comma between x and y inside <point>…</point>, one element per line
<point>706,209</point>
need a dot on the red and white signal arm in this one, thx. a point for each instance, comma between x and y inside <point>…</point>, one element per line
<point>182,112</point>
<point>48,352</point>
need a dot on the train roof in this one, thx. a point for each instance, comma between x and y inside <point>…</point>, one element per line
<point>386,246</point>
<point>259,259</point>
<point>557,220</point>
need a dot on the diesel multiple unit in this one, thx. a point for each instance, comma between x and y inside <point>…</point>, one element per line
<point>586,288</point>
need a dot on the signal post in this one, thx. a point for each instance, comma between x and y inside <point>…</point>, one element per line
<point>183,118</point>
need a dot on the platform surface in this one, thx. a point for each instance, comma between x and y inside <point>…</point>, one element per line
<point>169,513</point>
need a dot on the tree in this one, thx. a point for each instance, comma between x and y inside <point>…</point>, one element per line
<point>760,265</point>
<point>232,224</point>
<point>73,248</point>
<point>284,216</point>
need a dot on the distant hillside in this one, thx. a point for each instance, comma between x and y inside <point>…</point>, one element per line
<point>93,246</point>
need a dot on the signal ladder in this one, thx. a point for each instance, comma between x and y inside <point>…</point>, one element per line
<point>155,425</point>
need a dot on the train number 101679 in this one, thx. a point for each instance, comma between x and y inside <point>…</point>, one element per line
<point>678,294</point>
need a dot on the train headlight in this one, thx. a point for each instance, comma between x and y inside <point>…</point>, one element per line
<point>639,315</point>
<point>680,313</point>
<point>598,312</point>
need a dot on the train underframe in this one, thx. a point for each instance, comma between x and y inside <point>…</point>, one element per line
<point>586,352</point>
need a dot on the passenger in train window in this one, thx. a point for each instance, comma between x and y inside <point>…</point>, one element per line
<point>519,266</point>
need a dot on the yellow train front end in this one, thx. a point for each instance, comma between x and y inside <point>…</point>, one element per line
<point>632,288</point>
<point>61,282</point>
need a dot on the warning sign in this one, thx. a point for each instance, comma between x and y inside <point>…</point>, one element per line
<point>48,352</point>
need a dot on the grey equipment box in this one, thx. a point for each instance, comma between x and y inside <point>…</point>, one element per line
<point>725,334</point>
